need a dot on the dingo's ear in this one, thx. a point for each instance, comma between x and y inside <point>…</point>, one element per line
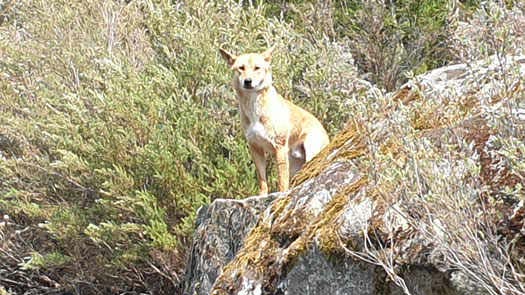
<point>268,54</point>
<point>228,57</point>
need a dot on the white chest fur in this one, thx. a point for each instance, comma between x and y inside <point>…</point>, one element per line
<point>257,133</point>
<point>265,122</point>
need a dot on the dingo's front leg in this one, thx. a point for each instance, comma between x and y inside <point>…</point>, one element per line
<point>259,158</point>
<point>281,155</point>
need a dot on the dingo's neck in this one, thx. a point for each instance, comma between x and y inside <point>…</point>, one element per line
<point>251,102</point>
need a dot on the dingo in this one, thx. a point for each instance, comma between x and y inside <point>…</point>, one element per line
<point>272,125</point>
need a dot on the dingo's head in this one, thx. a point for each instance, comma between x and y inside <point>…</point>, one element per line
<point>252,71</point>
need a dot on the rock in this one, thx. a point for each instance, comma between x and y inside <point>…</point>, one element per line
<point>292,250</point>
<point>220,230</point>
<point>316,273</point>
<point>339,277</point>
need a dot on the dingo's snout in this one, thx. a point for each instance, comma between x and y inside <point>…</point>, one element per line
<point>248,83</point>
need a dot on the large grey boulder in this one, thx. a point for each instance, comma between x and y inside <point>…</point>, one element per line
<point>287,252</point>
<point>224,226</point>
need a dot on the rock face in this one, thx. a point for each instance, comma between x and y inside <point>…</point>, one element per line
<point>221,228</point>
<point>352,223</point>
<point>292,263</point>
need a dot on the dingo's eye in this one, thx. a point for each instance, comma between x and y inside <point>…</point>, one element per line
<point>257,68</point>
<point>241,68</point>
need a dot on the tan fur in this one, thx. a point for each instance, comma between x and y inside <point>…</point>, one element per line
<point>272,125</point>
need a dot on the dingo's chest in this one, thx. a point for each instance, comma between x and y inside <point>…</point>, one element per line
<point>259,134</point>
<point>265,119</point>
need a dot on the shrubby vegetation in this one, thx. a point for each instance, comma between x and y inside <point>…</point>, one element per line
<point>118,121</point>
<point>450,159</point>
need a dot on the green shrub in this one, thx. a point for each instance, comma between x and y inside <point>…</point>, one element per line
<point>49,260</point>
<point>387,38</point>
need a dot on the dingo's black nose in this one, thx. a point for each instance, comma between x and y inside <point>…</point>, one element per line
<point>248,83</point>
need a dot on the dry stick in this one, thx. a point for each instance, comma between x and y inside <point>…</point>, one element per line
<point>369,257</point>
<point>155,268</point>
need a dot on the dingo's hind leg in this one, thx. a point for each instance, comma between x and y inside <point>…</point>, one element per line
<point>296,159</point>
<point>314,143</point>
